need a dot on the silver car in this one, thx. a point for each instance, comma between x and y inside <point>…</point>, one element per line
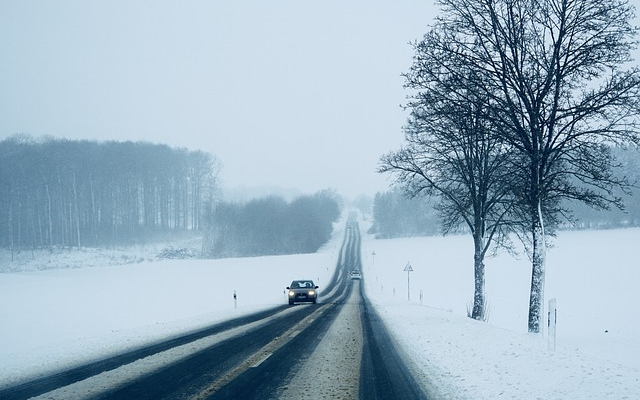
<point>303,291</point>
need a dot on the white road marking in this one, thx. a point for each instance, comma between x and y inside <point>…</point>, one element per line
<point>263,359</point>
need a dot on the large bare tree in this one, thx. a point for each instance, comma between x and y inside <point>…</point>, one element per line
<point>554,73</point>
<point>450,153</point>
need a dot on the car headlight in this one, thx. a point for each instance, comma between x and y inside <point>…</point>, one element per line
<point>291,293</point>
<point>311,292</point>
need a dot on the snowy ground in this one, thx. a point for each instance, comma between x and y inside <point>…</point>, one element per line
<point>54,314</point>
<point>593,275</point>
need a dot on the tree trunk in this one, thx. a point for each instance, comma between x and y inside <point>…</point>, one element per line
<point>49,218</point>
<point>76,209</point>
<point>536,298</point>
<point>478,268</point>
<point>94,213</point>
<point>11,220</point>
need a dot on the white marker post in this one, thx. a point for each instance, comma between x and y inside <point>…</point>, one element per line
<point>552,319</point>
<point>408,268</point>
<point>373,260</point>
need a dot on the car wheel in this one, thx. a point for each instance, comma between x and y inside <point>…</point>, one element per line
<point>290,302</point>
<point>314,301</point>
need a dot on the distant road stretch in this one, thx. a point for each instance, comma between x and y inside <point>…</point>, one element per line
<point>338,348</point>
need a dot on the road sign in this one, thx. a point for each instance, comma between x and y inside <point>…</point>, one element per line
<point>408,268</point>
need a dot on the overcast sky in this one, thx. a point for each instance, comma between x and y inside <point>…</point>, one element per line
<point>287,93</point>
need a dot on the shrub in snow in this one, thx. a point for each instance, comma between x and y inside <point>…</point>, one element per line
<point>181,253</point>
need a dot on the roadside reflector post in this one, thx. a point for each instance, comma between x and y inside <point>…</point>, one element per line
<point>552,320</point>
<point>235,299</point>
<point>408,268</point>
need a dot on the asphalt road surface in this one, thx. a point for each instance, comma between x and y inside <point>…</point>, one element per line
<point>336,349</point>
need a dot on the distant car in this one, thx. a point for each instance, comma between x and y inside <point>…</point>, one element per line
<point>303,291</point>
<point>355,274</point>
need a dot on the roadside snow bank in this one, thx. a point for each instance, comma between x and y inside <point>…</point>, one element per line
<point>593,275</point>
<point>460,358</point>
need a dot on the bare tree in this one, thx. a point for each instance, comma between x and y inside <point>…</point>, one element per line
<point>452,154</point>
<point>553,73</point>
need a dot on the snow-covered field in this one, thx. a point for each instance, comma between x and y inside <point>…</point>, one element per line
<point>592,274</point>
<point>54,315</point>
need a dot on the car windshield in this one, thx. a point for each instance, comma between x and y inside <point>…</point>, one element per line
<point>302,285</point>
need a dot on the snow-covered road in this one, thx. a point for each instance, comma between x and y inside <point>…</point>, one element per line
<point>332,371</point>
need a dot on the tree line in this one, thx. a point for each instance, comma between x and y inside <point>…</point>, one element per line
<point>271,226</point>
<point>58,192</point>
<point>397,215</point>
<point>516,107</point>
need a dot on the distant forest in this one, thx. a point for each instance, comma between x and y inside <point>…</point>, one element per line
<point>396,215</point>
<point>57,192</point>
<point>271,226</point>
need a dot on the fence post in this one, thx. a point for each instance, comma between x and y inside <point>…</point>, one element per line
<point>552,320</point>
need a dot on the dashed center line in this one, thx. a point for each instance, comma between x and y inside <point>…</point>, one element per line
<point>294,334</point>
<point>263,359</point>
<point>260,356</point>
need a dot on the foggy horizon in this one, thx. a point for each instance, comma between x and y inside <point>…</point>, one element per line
<point>285,95</point>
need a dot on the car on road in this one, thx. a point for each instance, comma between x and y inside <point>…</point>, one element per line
<point>303,291</point>
<point>355,274</point>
